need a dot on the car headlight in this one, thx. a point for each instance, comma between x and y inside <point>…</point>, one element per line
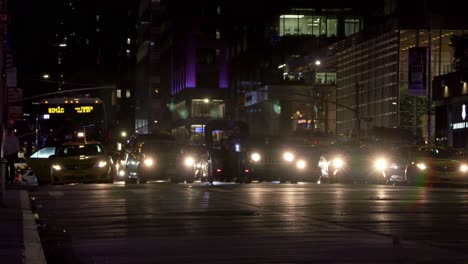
<point>300,164</point>
<point>189,161</point>
<point>255,157</point>
<point>463,168</point>
<point>148,162</point>
<point>338,163</point>
<point>288,156</point>
<point>381,164</point>
<point>421,166</point>
<point>56,167</point>
<point>102,164</point>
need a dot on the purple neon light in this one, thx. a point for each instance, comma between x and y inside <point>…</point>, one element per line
<point>191,66</point>
<point>223,70</point>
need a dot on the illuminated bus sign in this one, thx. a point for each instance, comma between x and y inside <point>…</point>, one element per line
<point>56,110</point>
<point>83,109</point>
<point>459,125</point>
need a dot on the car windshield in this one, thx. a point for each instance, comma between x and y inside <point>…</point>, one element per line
<point>157,146</point>
<point>79,150</point>
<point>437,153</point>
<point>43,153</point>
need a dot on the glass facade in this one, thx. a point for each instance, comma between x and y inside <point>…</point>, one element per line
<point>352,26</point>
<point>325,78</point>
<point>377,69</point>
<point>308,25</point>
<point>370,70</point>
<point>441,63</point>
<point>206,108</point>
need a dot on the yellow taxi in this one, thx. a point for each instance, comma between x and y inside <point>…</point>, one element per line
<point>81,162</point>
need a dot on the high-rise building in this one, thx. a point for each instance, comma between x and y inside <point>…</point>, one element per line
<point>372,67</point>
<point>267,44</point>
<point>194,72</point>
<point>80,44</point>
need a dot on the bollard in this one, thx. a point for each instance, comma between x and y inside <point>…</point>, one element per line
<point>3,171</point>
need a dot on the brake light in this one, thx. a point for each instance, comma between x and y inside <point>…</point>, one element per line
<point>218,170</point>
<point>246,171</point>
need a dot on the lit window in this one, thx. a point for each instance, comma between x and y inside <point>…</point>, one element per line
<point>352,26</point>
<point>127,94</point>
<point>218,10</point>
<point>119,93</point>
<point>128,41</point>
<point>218,34</point>
<point>97,17</point>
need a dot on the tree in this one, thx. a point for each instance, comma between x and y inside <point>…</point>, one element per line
<point>407,116</point>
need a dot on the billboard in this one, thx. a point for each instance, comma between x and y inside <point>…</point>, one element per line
<point>417,60</point>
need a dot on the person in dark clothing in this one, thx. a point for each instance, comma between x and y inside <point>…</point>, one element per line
<point>10,150</point>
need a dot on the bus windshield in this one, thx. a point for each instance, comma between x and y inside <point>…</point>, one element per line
<point>63,119</point>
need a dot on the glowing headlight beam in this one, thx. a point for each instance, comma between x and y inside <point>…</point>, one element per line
<point>255,157</point>
<point>421,166</point>
<point>149,162</point>
<point>288,156</point>
<point>102,164</point>
<point>464,168</point>
<point>189,161</point>
<point>338,163</point>
<point>301,164</point>
<point>56,167</point>
<point>381,164</point>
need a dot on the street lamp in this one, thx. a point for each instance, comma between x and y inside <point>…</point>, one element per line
<point>318,62</point>
<point>45,76</point>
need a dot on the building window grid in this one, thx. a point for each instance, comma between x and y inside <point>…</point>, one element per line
<point>383,79</point>
<point>315,25</point>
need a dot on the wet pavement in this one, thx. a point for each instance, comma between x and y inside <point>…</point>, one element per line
<point>251,223</point>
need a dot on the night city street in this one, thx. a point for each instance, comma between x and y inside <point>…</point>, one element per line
<point>233,131</point>
<point>251,223</point>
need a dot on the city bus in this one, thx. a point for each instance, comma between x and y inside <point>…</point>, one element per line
<point>61,120</point>
<point>65,119</point>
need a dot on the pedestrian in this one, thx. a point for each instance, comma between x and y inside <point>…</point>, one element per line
<point>10,150</point>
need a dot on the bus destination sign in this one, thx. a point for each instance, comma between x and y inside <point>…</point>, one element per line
<point>56,110</point>
<point>83,109</point>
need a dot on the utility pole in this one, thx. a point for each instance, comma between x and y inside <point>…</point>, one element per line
<point>357,113</point>
<point>429,85</point>
<point>325,107</point>
<point>3,99</point>
<point>415,98</point>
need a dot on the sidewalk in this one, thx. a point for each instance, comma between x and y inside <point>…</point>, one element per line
<point>19,239</point>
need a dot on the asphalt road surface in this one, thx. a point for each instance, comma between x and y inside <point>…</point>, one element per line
<point>251,223</point>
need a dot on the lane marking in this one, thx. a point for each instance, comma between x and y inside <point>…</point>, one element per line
<point>56,194</point>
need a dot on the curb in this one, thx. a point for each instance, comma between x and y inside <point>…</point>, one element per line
<point>33,253</point>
